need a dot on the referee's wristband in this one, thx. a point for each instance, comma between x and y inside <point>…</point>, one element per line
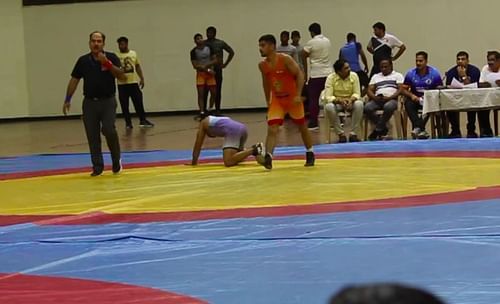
<point>108,64</point>
<point>67,99</point>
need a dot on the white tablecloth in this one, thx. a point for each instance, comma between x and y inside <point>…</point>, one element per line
<point>461,99</point>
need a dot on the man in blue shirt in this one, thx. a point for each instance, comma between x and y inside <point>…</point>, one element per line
<point>351,52</point>
<point>467,73</point>
<point>417,80</point>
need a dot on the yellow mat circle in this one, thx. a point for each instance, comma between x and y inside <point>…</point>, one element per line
<point>211,186</point>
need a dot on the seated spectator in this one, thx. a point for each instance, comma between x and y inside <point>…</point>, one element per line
<point>383,91</point>
<point>342,93</point>
<point>490,74</point>
<point>384,293</point>
<point>419,79</point>
<point>351,52</point>
<point>467,73</point>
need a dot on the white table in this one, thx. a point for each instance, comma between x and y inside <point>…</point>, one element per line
<point>461,99</point>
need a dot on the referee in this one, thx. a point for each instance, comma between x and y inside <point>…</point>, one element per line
<point>98,70</point>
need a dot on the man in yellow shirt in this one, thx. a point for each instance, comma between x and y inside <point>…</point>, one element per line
<point>130,88</point>
<point>343,93</point>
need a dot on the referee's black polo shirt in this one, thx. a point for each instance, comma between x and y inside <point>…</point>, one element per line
<point>97,83</point>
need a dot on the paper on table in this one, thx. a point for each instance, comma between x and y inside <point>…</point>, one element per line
<point>471,86</point>
<point>455,84</point>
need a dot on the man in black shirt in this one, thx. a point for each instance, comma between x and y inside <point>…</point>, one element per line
<point>467,73</point>
<point>381,46</point>
<point>218,46</point>
<point>98,70</point>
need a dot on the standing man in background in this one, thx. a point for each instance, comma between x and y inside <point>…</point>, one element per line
<point>381,46</point>
<point>98,70</point>
<point>351,52</point>
<point>300,49</point>
<point>203,60</point>
<point>218,46</point>
<point>130,87</point>
<point>285,46</point>
<point>318,51</point>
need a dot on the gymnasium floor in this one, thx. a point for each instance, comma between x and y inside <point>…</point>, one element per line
<point>420,212</point>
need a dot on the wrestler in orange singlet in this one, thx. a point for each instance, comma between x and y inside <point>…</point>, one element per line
<point>282,80</point>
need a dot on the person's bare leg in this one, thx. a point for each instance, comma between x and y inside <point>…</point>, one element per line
<point>201,98</point>
<point>306,136</point>
<point>213,92</point>
<point>272,134</point>
<point>233,157</point>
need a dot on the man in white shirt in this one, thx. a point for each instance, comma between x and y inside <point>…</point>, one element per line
<point>383,91</point>
<point>285,46</point>
<point>490,77</point>
<point>318,51</point>
<point>381,46</point>
<point>490,73</point>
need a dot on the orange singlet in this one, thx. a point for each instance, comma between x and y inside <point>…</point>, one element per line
<point>283,90</point>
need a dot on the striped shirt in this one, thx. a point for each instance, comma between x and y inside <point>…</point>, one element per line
<point>387,85</point>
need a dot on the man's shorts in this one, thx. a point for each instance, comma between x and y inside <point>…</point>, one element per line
<point>279,107</point>
<point>236,139</point>
<point>205,79</point>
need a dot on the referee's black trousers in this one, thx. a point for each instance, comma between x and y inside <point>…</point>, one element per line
<point>99,114</point>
